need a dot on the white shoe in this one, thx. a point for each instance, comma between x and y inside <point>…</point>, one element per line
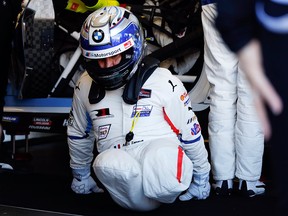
<point>251,188</point>
<point>223,187</point>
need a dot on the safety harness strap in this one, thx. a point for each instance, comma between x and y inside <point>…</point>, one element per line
<point>133,87</point>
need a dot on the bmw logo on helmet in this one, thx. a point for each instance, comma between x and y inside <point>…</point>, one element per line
<point>98,35</point>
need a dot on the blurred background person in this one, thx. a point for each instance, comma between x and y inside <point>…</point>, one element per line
<point>257,31</point>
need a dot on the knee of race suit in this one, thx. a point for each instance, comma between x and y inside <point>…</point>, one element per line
<point>167,171</point>
<point>121,175</point>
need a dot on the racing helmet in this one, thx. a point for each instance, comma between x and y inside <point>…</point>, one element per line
<point>107,32</point>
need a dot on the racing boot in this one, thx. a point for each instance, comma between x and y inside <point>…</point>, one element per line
<point>251,188</point>
<point>223,187</point>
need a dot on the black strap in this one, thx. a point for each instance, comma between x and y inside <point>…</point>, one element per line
<point>96,93</point>
<point>133,87</point>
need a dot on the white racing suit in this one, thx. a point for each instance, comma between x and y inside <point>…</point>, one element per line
<point>236,138</point>
<point>167,148</point>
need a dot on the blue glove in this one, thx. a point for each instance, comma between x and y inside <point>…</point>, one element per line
<point>83,183</point>
<point>199,188</point>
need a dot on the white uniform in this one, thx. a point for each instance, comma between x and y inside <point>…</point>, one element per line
<point>152,168</point>
<point>235,135</point>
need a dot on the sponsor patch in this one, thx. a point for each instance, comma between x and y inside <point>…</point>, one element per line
<point>194,118</point>
<point>101,113</point>
<point>103,131</point>
<point>183,96</point>
<point>144,93</point>
<point>195,129</point>
<point>128,44</point>
<point>187,101</point>
<point>144,110</point>
<point>119,146</point>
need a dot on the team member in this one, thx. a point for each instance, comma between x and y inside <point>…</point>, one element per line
<point>235,133</point>
<point>148,137</point>
<point>261,44</point>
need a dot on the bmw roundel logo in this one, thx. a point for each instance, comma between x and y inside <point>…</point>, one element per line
<point>98,35</point>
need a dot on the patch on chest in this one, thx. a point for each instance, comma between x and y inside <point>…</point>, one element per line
<point>144,110</point>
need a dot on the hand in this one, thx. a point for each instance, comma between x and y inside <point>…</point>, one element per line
<point>265,93</point>
<point>85,186</point>
<point>83,183</point>
<point>199,188</point>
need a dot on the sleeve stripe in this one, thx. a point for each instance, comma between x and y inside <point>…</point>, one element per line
<point>175,130</point>
<point>179,163</point>
<point>190,141</point>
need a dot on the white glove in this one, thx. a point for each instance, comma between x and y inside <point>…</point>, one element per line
<point>199,188</point>
<point>83,183</point>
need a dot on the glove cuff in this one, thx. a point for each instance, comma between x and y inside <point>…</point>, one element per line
<point>81,173</point>
<point>201,178</point>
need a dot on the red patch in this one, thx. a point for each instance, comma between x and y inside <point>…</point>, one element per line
<point>74,6</point>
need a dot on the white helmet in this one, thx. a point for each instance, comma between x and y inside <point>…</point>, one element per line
<point>110,31</point>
